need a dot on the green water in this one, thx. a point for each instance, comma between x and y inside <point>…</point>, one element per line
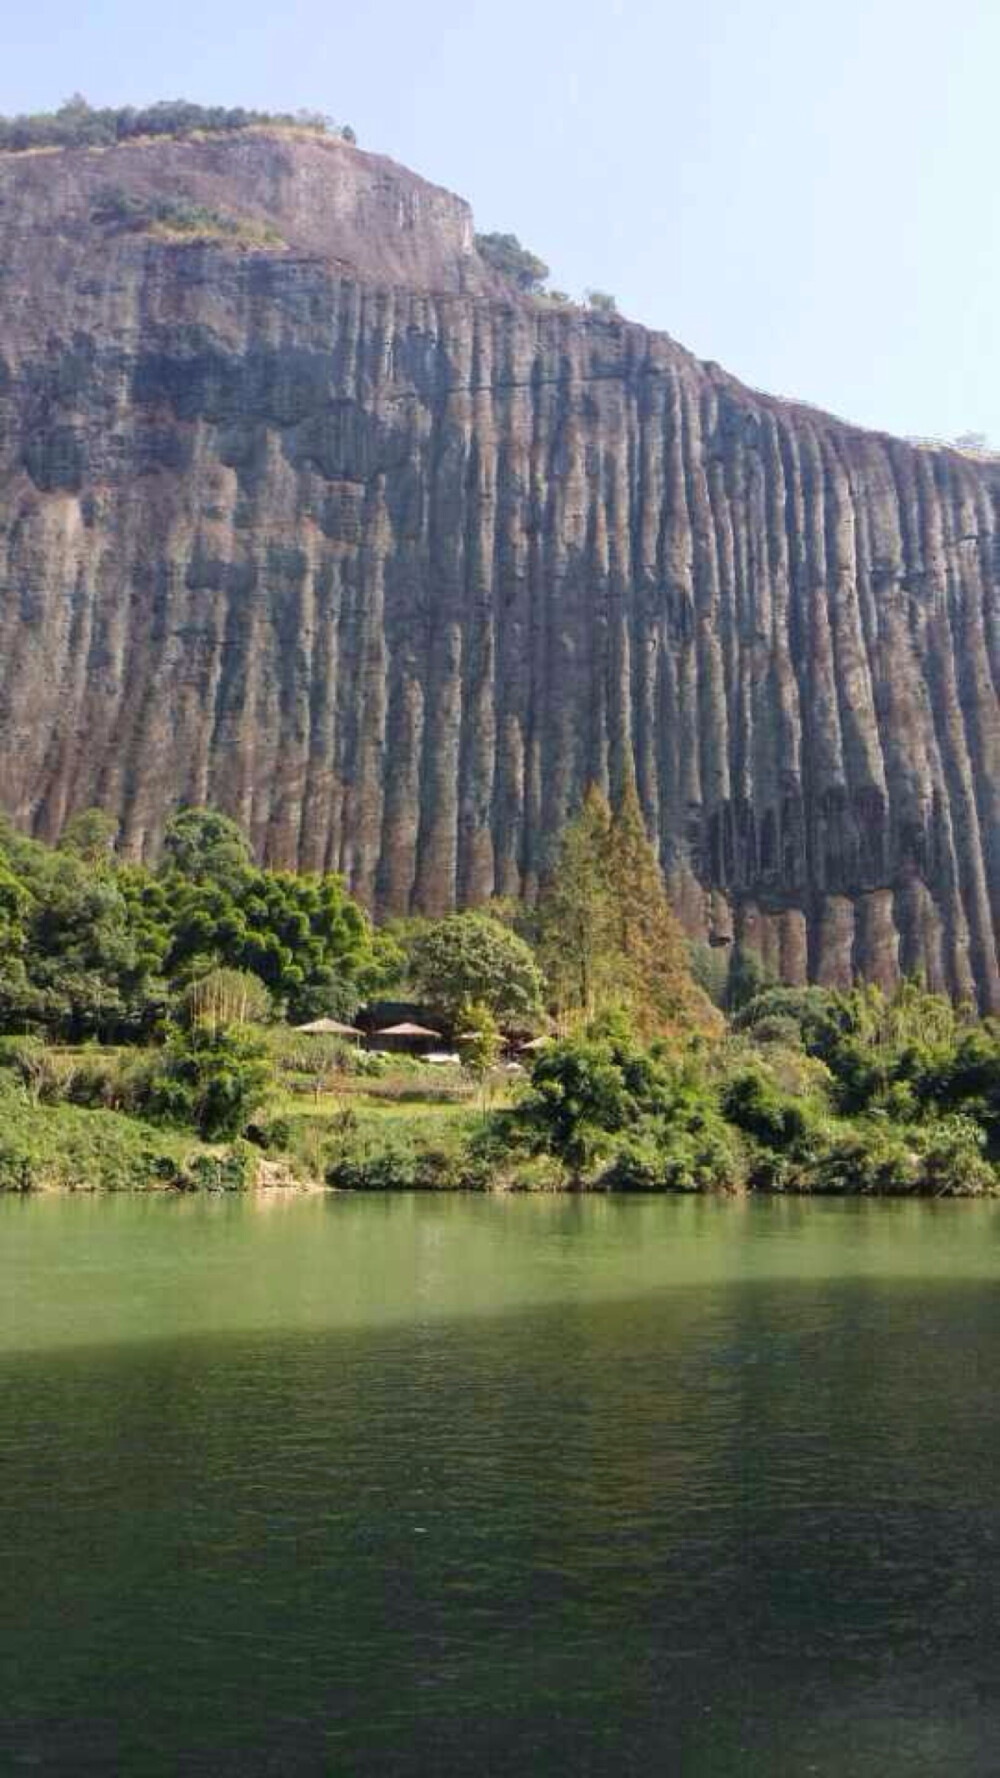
<point>432,1486</point>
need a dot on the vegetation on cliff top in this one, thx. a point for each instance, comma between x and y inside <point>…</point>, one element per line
<point>77,124</point>
<point>527,273</point>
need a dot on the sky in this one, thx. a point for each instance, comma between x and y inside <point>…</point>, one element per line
<point>803,191</point>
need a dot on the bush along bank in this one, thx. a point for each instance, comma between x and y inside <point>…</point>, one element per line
<point>807,1099</point>
<point>815,1093</point>
<point>66,1148</point>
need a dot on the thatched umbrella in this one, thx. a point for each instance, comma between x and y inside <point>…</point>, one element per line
<point>537,1043</point>
<point>407,1031</point>
<point>328,1028</point>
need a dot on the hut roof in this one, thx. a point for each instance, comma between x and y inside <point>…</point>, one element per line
<point>330,1028</point>
<point>406,1029</point>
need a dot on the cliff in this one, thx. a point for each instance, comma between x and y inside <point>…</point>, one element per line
<point>341,535</point>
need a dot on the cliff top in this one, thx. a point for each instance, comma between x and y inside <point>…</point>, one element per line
<point>294,187</point>
<point>279,185</point>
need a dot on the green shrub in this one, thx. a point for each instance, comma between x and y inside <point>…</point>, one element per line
<point>754,1105</point>
<point>516,1172</point>
<point>864,1160</point>
<point>63,1147</point>
<point>141,212</point>
<point>232,1170</point>
<point>406,1160</point>
<point>812,1010</point>
<point>211,1080</point>
<point>778,1028</point>
<point>26,1058</point>
<point>954,1164</point>
<point>514,262</point>
<point>274,1135</point>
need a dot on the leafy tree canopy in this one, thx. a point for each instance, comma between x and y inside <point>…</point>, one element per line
<point>90,835</point>
<point>304,937</point>
<point>506,255</point>
<point>88,946</point>
<point>205,845</point>
<point>469,959</point>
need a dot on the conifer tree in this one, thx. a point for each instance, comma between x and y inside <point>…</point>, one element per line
<point>661,993</point>
<point>575,924</point>
<point>607,935</point>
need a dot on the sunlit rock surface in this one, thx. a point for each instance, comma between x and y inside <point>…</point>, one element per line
<point>342,536</point>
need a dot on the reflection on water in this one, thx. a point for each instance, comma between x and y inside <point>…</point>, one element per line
<point>453,1486</point>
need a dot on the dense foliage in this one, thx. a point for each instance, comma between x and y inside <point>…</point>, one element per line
<point>211,1079</point>
<point>161,1000</point>
<point>79,125</point>
<point>471,958</point>
<point>514,262</point>
<point>630,1115</point>
<point>858,1093</point>
<point>89,947</point>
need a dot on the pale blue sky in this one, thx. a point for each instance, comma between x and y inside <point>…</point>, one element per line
<point>804,191</point>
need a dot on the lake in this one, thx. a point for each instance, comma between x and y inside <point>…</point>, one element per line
<point>446,1485</point>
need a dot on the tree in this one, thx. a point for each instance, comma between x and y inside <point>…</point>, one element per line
<point>607,935</point>
<point>598,1096</point>
<point>746,977</point>
<point>709,965</point>
<point>661,993</point>
<point>227,997</point>
<point>74,967</point>
<point>506,255</point>
<point>77,124</point>
<point>575,916</point>
<point>467,958</point>
<point>90,835</point>
<point>578,1098</point>
<point>204,845</point>
<point>479,1043</point>
<point>14,903</point>
<point>213,1079</point>
<point>602,301</point>
<point>303,936</point>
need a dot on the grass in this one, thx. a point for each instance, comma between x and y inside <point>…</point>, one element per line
<point>53,1147</point>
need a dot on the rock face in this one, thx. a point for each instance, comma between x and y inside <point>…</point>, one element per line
<point>387,561</point>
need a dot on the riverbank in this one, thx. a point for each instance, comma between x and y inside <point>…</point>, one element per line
<point>805,1094</point>
<point>360,1143</point>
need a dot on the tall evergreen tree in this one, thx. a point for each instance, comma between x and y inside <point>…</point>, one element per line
<point>607,935</point>
<point>575,919</point>
<point>661,993</point>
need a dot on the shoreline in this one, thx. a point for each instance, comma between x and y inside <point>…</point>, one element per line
<point>313,1188</point>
